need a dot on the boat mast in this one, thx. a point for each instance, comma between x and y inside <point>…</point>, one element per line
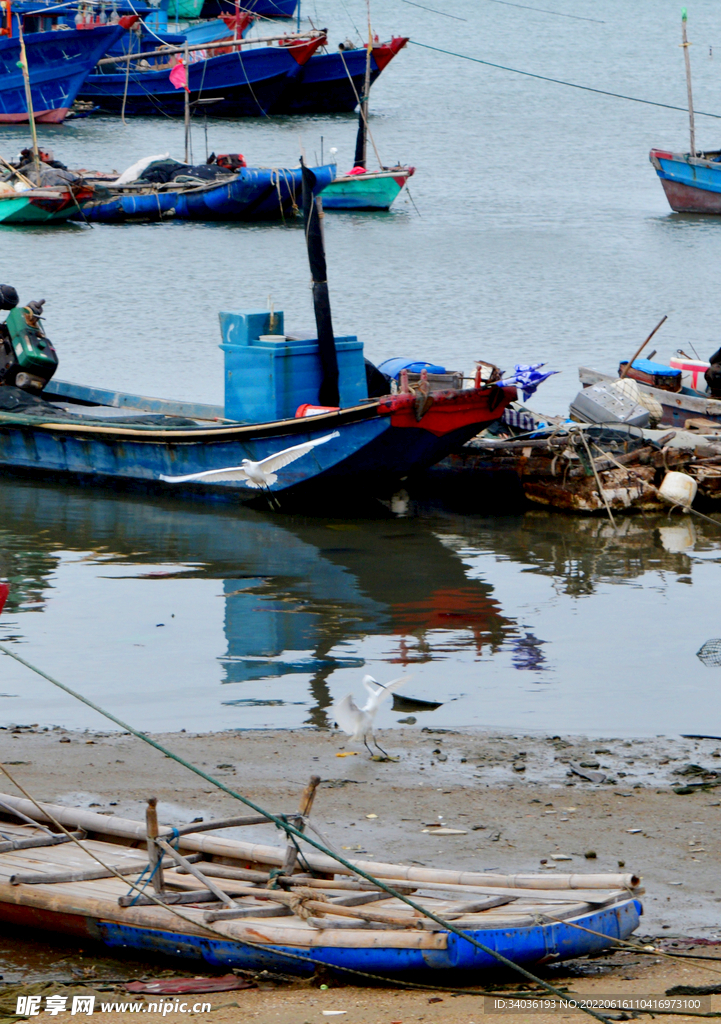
<point>361,145</point>
<point>28,96</point>
<point>328,393</point>
<point>187,103</point>
<point>687,60</point>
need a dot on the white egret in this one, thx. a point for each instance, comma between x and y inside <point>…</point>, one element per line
<point>255,474</point>
<point>358,722</point>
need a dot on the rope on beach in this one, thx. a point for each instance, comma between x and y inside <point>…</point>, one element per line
<point>560,81</point>
<point>292,831</point>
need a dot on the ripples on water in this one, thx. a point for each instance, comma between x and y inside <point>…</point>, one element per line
<point>542,234</point>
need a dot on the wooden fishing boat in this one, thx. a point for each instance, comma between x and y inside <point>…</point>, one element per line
<point>373,190</point>
<point>245,80</point>
<point>217,905</point>
<point>58,64</point>
<point>43,205</point>
<point>253,193</point>
<point>679,407</point>
<point>332,82</point>
<point>692,183</point>
<point>129,440</point>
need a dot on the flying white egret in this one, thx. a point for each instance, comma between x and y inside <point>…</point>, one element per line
<point>256,474</point>
<point>358,722</point>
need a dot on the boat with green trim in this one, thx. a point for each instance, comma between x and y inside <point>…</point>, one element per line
<point>370,190</point>
<point>42,205</point>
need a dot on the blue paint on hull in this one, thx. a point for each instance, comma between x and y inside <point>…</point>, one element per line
<point>246,84</point>
<point>106,458</point>
<point>323,85</point>
<point>58,63</point>
<point>560,940</point>
<point>255,194</point>
<point>263,8</point>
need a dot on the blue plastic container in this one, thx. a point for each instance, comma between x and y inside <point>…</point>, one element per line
<point>393,367</point>
<point>267,380</point>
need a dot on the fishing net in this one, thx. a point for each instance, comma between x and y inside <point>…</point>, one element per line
<point>710,653</point>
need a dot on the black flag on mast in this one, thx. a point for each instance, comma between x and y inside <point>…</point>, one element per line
<point>328,392</point>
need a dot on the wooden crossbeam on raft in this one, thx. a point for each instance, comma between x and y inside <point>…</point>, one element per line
<point>35,841</point>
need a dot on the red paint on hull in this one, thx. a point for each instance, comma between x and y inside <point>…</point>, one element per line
<point>687,199</point>
<point>41,117</point>
<point>449,410</point>
<point>45,920</point>
<point>384,53</point>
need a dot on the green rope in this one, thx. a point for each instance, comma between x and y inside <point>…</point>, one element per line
<point>560,81</point>
<point>294,832</point>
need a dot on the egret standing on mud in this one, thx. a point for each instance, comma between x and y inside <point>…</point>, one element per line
<point>358,722</point>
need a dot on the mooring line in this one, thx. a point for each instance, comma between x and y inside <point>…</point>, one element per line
<point>560,81</point>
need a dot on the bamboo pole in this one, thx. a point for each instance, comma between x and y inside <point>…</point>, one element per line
<point>186,105</point>
<point>28,95</point>
<point>367,87</point>
<point>687,61</point>
<point>169,50</point>
<point>306,803</point>
<point>18,174</point>
<point>640,349</point>
<point>179,859</point>
<point>151,832</point>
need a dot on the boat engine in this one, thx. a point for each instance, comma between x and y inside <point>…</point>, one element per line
<point>27,356</point>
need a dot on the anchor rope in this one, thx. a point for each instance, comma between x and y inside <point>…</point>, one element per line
<point>560,81</point>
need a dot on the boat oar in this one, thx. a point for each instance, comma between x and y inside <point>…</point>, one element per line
<point>638,352</point>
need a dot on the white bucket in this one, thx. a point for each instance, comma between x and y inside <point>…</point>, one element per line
<point>272,337</point>
<point>678,489</point>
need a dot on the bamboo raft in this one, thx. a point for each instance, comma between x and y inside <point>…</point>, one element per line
<point>250,905</point>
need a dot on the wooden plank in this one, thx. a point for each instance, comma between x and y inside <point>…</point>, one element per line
<point>36,841</point>
<point>180,859</point>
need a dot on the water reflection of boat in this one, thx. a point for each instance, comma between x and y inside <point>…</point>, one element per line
<point>298,598</point>
<point>581,555</point>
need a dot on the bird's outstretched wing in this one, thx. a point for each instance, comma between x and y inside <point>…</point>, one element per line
<point>386,689</point>
<point>348,715</point>
<point>289,455</point>
<point>231,473</point>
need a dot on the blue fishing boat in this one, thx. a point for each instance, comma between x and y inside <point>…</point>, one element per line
<point>230,917</point>
<point>260,8</point>
<point>58,64</point>
<point>692,183</point>
<point>252,193</point>
<point>333,82</point>
<point>159,29</point>
<point>245,81</point>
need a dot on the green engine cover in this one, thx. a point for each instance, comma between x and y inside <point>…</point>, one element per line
<point>33,351</point>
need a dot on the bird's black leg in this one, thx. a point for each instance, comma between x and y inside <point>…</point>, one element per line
<point>272,502</point>
<point>365,740</point>
<point>377,744</point>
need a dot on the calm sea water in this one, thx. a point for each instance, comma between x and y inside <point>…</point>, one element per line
<point>539,232</point>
